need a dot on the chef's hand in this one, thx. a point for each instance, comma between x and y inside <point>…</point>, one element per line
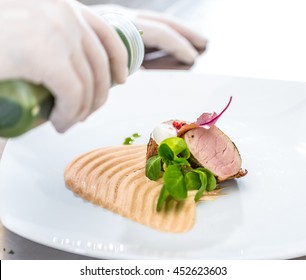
<point>67,48</point>
<point>161,31</point>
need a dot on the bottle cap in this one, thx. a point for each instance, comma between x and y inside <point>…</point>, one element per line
<point>131,37</point>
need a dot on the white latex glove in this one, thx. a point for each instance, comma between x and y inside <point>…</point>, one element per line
<point>67,48</point>
<point>161,31</point>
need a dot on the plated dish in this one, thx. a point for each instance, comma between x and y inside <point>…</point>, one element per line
<point>260,216</point>
<point>159,184</point>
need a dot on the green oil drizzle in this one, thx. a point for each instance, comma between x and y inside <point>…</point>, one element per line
<point>130,140</point>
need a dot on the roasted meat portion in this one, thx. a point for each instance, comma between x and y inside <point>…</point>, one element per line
<point>214,150</point>
<point>210,148</point>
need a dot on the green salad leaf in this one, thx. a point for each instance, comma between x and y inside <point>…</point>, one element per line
<point>179,177</point>
<point>192,181</point>
<point>174,182</point>
<point>203,179</point>
<point>166,153</point>
<point>164,194</point>
<point>153,168</point>
<point>177,145</point>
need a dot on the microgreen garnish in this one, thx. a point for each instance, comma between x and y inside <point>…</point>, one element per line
<point>206,120</point>
<point>130,140</point>
<point>179,177</point>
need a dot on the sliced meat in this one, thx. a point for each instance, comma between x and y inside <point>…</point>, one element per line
<point>214,150</point>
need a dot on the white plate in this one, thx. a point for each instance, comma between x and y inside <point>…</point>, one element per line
<point>261,217</point>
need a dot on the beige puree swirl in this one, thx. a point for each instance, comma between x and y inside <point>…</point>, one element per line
<point>114,178</point>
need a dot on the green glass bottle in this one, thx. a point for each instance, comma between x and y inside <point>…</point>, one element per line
<point>24,105</point>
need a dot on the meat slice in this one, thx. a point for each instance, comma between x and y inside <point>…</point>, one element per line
<point>214,150</point>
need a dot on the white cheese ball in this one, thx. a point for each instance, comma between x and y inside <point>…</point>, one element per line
<point>162,132</point>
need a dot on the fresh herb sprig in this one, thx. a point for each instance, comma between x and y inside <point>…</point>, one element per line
<point>179,177</point>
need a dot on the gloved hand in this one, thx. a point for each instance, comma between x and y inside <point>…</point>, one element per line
<point>161,31</point>
<point>67,48</point>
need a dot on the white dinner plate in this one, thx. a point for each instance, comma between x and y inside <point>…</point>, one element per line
<point>262,215</point>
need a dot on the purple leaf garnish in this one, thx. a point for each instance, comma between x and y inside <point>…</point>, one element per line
<point>207,120</point>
